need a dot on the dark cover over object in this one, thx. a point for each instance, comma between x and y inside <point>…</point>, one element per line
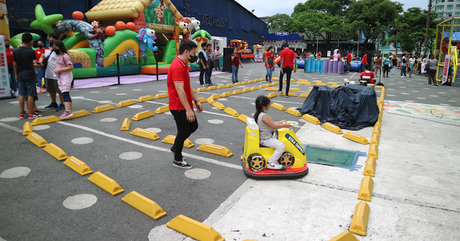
<point>350,107</point>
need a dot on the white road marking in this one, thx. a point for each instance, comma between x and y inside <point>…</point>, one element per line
<point>11,127</point>
<point>200,158</point>
<point>80,201</point>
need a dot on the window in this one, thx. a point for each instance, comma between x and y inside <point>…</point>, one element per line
<point>440,14</point>
<point>440,7</point>
<point>457,14</point>
<point>457,21</point>
<point>449,14</point>
<point>457,6</point>
<point>450,6</point>
<point>450,1</point>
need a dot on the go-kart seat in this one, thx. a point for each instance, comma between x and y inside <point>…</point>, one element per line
<point>275,133</point>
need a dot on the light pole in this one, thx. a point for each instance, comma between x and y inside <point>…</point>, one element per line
<point>427,31</point>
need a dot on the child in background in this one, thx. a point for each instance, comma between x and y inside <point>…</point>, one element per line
<point>266,131</point>
<point>367,75</point>
<point>63,72</point>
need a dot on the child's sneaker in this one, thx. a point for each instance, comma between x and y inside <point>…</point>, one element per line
<point>183,164</point>
<point>23,115</point>
<point>34,115</point>
<point>275,166</point>
<point>65,115</point>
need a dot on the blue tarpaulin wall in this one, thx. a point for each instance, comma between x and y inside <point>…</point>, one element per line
<point>455,36</point>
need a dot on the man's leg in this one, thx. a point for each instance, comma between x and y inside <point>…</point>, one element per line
<point>184,130</point>
<point>233,74</point>
<point>288,71</point>
<point>201,75</point>
<point>281,82</point>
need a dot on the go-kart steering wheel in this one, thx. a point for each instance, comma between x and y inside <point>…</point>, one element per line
<point>293,123</point>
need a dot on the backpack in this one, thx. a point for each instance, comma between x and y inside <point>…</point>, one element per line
<point>404,60</point>
<point>45,60</point>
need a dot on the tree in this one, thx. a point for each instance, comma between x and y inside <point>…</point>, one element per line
<point>280,22</point>
<point>371,16</point>
<point>397,28</point>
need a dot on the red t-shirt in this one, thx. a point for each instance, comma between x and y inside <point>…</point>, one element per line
<point>38,53</point>
<point>178,72</point>
<point>364,61</point>
<point>9,56</point>
<point>348,57</point>
<point>444,46</point>
<point>271,56</point>
<point>368,73</point>
<point>236,60</point>
<point>287,56</point>
<point>318,54</point>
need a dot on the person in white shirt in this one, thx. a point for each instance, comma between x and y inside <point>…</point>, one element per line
<point>217,55</point>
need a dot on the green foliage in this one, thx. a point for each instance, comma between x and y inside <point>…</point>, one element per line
<point>151,17</point>
<point>280,22</point>
<point>126,61</point>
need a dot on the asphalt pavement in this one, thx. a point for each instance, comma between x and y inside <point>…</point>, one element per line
<point>415,194</point>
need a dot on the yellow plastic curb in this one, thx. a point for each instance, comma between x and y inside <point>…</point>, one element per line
<point>161,95</point>
<point>231,112</point>
<point>294,89</point>
<point>36,139</point>
<point>78,166</point>
<point>201,89</point>
<point>254,88</point>
<point>304,95</point>
<point>263,86</point>
<point>344,236</point>
<point>244,83</point>
<point>202,100</point>
<point>331,127</point>
<point>215,149</point>
<point>143,204</point>
<point>162,109</point>
<point>145,98</point>
<point>278,106</point>
<point>230,85</point>
<point>245,90</point>
<point>376,131</point>
<point>210,100</point>
<point>369,168</point>
<point>373,150</point>
<point>145,134</point>
<point>365,191</point>
<point>243,118</point>
<point>271,95</point>
<point>171,139</point>
<point>106,183</point>
<point>45,120</point>
<point>103,108</point>
<point>126,124</point>
<point>311,119</point>
<point>78,113</point>
<point>215,96</point>
<point>212,88</point>
<point>293,111</point>
<point>142,115</point>
<point>194,229</point>
<point>226,94</point>
<point>360,219</point>
<point>218,105</point>
<point>125,103</point>
<point>356,137</point>
<point>235,92</point>
<point>292,94</point>
<point>375,139</point>
<point>55,152</point>
<point>27,128</point>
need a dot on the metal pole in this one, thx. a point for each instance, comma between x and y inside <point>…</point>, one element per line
<point>156,62</point>
<point>118,68</point>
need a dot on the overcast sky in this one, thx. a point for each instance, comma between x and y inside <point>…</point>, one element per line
<point>271,7</point>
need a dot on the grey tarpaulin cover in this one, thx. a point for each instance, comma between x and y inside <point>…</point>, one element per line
<point>351,107</point>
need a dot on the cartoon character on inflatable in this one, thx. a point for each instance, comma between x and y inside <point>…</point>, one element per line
<point>146,38</point>
<point>194,24</point>
<point>181,31</point>
<point>97,31</point>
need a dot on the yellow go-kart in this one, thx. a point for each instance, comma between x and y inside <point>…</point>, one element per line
<point>255,155</point>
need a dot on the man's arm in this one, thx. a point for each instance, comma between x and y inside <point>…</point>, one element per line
<point>183,99</point>
<point>198,104</point>
<point>15,67</point>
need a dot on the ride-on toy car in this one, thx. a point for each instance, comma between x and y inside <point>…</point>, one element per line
<point>255,156</point>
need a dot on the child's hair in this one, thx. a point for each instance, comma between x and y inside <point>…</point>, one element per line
<point>61,46</point>
<point>262,100</point>
<point>367,66</point>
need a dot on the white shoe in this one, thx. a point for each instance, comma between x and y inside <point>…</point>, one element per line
<point>274,166</point>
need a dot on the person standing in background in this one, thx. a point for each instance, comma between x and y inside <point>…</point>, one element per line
<point>51,81</point>
<point>217,55</point>
<point>269,64</point>
<point>236,62</point>
<point>386,65</point>
<point>9,61</point>
<point>348,58</point>
<point>431,66</point>
<point>202,62</point>
<point>210,54</point>
<point>288,63</point>
<point>318,56</point>
<point>377,65</point>
<point>40,71</point>
<point>363,61</point>
<point>394,63</point>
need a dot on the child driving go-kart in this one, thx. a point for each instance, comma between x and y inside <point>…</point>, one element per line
<point>367,76</point>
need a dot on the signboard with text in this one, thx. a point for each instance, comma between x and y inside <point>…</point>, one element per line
<point>445,71</point>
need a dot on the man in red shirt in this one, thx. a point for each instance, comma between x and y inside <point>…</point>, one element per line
<point>9,61</point>
<point>181,96</point>
<point>348,60</point>
<point>287,65</point>
<point>269,55</point>
<point>364,61</point>
<point>40,71</point>
<point>445,44</point>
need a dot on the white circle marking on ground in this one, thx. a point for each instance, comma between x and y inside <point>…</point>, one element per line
<point>109,120</point>
<point>136,106</point>
<point>442,92</point>
<point>82,140</point>
<point>41,127</point>
<point>156,130</point>
<point>223,99</point>
<point>162,91</point>
<point>390,89</point>
<point>94,92</point>
<point>113,88</point>
<point>433,95</point>
<point>421,98</point>
<point>402,87</point>
<point>415,91</point>
<point>390,95</point>
<point>452,101</point>
<point>80,201</point>
<point>215,121</point>
<point>78,97</point>
<point>15,172</point>
<point>197,173</point>
<point>405,93</point>
<point>136,89</point>
<point>204,140</point>
<point>9,119</point>
<point>14,102</point>
<point>42,106</point>
<point>130,155</point>
<point>167,113</point>
<point>105,101</point>
<point>120,94</point>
